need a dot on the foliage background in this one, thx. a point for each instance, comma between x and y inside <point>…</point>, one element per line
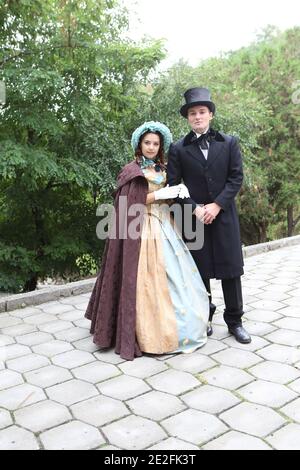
<point>76,88</point>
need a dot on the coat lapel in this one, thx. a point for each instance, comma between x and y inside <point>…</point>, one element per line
<point>215,148</point>
<point>196,153</point>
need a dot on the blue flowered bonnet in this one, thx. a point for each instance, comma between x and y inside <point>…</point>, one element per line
<point>152,126</point>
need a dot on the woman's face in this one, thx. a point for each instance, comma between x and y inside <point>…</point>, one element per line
<point>150,145</point>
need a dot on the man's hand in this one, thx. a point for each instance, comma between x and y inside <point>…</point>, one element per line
<point>199,213</point>
<point>210,212</point>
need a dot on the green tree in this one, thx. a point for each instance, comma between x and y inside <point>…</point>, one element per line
<point>72,82</point>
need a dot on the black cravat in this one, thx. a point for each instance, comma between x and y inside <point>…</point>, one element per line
<point>202,140</point>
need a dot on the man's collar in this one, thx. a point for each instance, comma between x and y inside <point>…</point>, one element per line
<point>198,135</point>
<point>213,135</point>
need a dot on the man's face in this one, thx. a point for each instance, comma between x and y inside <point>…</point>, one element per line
<point>199,118</point>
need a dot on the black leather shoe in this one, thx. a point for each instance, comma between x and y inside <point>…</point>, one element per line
<point>212,309</point>
<point>209,329</point>
<point>240,334</point>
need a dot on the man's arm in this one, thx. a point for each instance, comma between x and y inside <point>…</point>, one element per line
<point>174,174</point>
<point>234,179</point>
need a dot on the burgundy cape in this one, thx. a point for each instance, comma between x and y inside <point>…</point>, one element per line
<point>112,306</point>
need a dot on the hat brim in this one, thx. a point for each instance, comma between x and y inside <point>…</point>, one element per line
<point>184,109</point>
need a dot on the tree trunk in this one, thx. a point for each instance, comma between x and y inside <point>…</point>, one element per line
<point>290,220</point>
<point>31,284</point>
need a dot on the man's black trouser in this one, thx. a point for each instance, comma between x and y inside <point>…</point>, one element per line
<point>233,299</point>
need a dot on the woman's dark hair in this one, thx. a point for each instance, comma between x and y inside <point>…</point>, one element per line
<point>160,159</point>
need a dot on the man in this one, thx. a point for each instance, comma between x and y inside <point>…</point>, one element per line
<point>210,165</point>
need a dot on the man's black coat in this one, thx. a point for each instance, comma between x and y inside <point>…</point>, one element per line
<point>217,179</point>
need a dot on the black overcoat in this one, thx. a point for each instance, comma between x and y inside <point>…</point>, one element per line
<point>217,179</point>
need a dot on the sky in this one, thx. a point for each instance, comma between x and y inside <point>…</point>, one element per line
<point>198,29</point>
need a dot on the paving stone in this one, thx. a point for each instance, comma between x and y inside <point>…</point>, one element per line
<point>71,315</point>
<point>27,363</point>
<point>55,308</point>
<point>19,396</point>
<point>48,376</point>
<point>156,405</point>
<point>9,378</point>
<point>108,356</point>
<point>7,321</point>
<point>73,359</point>
<point>123,387</point>
<point>72,436</point>
<point>13,351</point>
<point>52,348</point>
<point>210,399</point>
<point>234,440</point>
<point>86,344</point>
<point>211,347</point>
<point>173,444</point>
<point>96,372</point>
<point>288,281</point>
<point>288,323</point>
<point>15,438</point>
<point>82,306</point>
<point>34,339</point>
<point>5,419</point>
<point>220,332</point>
<point>74,299</point>
<point>38,319</point>
<point>287,438</point>
<point>267,305</point>
<point>279,353</point>
<point>259,328</point>
<point>292,302</point>
<point>272,295</point>
<point>253,419</point>
<point>72,334</point>
<point>106,448</point>
<point>256,343</point>
<point>226,377</point>
<point>193,363</point>
<point>25,312</point>
<point>287,337</point>
<point>133,433</point>
<point>292,310</point>
<point>275,372</point>
<point>295,385</point>
<point>69,393</point>
<point>277,288</point>
<point>83,323</point>
<point>99,411</point>
<point>267,393</point>
<point>296,292</point>
<point>265,316</point>
<point>55,326</point>
<point>42,416</point>
<point>194,426</point>
<point>251,291</point>
<point>236,358</point>
<point>173,381</point>
<point>6,340</point>
<point>20,329</point>
<point>142,367</point>
<point>292,410</point>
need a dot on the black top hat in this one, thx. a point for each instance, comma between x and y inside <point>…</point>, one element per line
<point>195,97</point>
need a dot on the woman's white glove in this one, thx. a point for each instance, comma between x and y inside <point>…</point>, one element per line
<point>169,192</point>
<point>183,192</point>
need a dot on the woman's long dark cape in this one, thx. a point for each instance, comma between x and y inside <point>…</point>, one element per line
<point>112,306</point>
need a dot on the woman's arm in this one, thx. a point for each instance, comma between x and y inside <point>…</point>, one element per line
<point>150,198</point>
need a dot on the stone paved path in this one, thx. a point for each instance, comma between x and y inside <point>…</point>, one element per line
<point>58,392</point>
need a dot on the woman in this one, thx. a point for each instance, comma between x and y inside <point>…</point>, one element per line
<point>149,296</point>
